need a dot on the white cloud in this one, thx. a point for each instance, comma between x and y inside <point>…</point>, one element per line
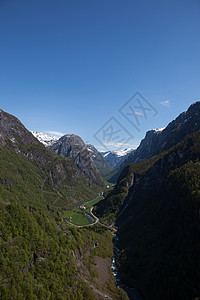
<point>119,145</point>
<point>137,113</point>
<point>165,103</point>
<point>116,144</point>
<point>100,148</point>
<point>57,133</point>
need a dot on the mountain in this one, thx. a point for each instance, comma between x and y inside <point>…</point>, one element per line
<point>44,138</point>
<point>57,175</point>
<point>72,146</point>
<point>161,251</point>
<point>157,140</point>
<point>116,157</point>
<point>13,133</point>
<point>156,206</point>
<point>102,165</point>
<point>41,256</point>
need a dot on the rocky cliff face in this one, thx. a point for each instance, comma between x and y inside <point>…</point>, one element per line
<point>13,133</point>
<point>157,141</point>
<point>72,146</point>
<point>102,165</point>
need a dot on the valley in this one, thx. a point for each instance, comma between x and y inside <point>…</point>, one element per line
<point>99,150</point>
<point>82,215</point>
<point>140,231</point>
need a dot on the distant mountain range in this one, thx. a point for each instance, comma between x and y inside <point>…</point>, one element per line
<point>116,157</point>
<point>76,146</point>
<point>105,162</point>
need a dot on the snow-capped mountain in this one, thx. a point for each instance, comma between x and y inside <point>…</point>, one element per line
<point>46,139</point>
<point>104,161</point>
<point>116,157</point>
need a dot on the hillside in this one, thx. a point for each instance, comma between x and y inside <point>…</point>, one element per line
<point>158,217</point>
<point>56,174</point>
<point>42,257</point>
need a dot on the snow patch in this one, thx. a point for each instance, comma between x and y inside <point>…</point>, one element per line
<point>46,139</point>
<point>159,129</point>
<point>118,153</point>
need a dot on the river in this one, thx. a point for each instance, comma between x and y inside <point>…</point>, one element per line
<point>133,292</point>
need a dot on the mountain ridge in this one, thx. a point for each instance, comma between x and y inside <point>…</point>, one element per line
<point>72,146</point>
<point>156,206</point>
<point>102,165</point>
<point>116,157</point>
<point>58,172</point>
<point>162,210</point>
<point>42,256</point>
<point>155,141</point>
<point>46,139</point>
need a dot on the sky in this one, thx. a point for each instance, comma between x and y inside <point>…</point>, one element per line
<point>106,70</point>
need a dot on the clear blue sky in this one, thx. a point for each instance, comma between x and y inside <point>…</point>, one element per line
<point>70,65</point>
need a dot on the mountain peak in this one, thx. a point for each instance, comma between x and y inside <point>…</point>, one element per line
<point>159,129</point>
<point>72,137</point>
<point>116,157</point>
<point>158,140</point>
<point>72,146</point>
<point>13,133</point>
<point>46,139</point>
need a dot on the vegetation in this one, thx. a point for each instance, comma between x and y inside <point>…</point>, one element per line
<point>156,203</point>
<point>91,203</point>
<point>76,218</point>
<point>108,209</point>
<point>41,257</point>
<point>161,251</point>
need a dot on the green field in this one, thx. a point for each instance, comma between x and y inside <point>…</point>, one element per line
<point>91,203</point>
<point>78,216</point>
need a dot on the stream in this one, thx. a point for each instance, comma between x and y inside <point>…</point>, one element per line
<point>133,292</point>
